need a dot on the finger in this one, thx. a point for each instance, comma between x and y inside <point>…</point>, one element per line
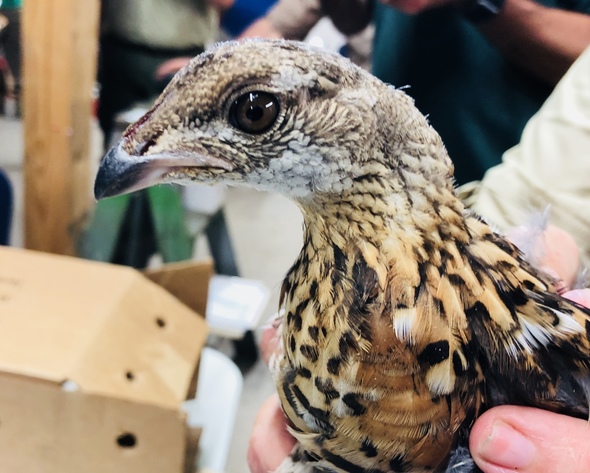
<point>508,438</point>
<point>171,66</point>
<point>411,7</point>
<point>270,442</point>
<point>581,296</point>
<point>554,251</point>
<point>561,254</point>
<point>269,341</point>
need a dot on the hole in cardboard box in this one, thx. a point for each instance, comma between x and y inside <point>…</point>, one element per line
<point>130,375</point>
<point>127,440</point>
<point>160,322</point>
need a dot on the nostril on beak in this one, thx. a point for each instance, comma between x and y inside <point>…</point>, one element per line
<point>142,148</point>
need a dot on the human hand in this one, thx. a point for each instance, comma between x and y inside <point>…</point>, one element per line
<point>172,66</point>
<point>221,5</point>
<point>509,438</point>
<point>555,252</point>
<point>270,442</point>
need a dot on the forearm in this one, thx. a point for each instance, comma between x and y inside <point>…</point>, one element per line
<point>541,40</point>
<point>293,19</point>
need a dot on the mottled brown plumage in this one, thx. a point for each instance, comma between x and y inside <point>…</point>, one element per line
<point>405,316</point>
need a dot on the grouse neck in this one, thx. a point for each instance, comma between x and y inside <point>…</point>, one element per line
<point>414,216</point>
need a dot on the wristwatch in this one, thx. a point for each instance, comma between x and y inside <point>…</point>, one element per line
<point>481,11</point>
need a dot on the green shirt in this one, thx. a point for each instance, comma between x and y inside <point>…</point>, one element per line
<point>475,98</point>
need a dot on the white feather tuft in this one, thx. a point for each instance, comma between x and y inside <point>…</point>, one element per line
<point>461,462</point>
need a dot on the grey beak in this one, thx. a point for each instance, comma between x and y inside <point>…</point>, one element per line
<point>120,172</point>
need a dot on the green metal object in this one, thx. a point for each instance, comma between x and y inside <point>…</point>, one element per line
<point>99,240</point>
<point>173,241</point>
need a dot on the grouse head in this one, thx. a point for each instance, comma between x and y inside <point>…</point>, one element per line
<point>279,116</point>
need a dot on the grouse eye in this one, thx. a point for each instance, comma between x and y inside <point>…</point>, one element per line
<point>254,112</point>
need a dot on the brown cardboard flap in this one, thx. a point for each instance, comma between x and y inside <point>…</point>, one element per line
<point>104,327</point>
<point>188,281</point>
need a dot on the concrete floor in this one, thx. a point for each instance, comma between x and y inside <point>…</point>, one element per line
<point>266,233</point>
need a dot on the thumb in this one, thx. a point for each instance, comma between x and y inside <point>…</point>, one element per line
<point>509,438</point>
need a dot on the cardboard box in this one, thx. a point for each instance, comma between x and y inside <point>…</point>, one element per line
<point>186,280</point>
<point>233,305</point>
<point>95,362</point>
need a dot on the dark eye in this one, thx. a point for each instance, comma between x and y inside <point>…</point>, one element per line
<point>254,112</point>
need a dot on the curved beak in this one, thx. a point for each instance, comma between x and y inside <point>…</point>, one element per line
<point>121,172</point>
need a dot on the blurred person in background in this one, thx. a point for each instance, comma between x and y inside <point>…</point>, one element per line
<point>10,48</point>
<point>142,44</point>
<point>137,36</point>
<point>478,69</point>
<point>5,208</point>
<point>236,16</point>
<point>295,19</point>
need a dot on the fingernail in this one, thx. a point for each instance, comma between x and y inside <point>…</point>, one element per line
<point>507,448</point>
